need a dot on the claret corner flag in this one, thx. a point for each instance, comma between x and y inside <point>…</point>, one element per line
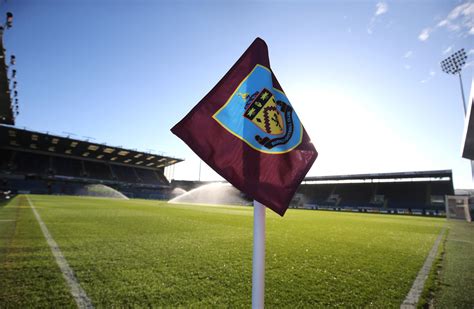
<point>247,131</point>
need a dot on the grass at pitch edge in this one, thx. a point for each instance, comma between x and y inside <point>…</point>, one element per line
<point>7,225</point>
<point>455,280</point>
<point>148,253</point>
<point>431,285</point>
<point>29,275</point>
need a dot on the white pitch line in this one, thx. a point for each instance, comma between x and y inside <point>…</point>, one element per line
<point>79,295</point>
<point>412,298</point>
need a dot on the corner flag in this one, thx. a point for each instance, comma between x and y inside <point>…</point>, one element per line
<point>247,131</point>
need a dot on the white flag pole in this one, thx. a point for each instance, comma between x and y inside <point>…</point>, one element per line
<point>258,267</point>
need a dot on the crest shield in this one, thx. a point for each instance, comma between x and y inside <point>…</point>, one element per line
<point>263,112</point>
<point>261,115</point>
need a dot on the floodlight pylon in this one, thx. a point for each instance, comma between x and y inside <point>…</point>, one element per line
<point>453,65</point>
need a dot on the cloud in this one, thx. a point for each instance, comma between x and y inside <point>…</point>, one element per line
<point>470,52</point>
<point>443,23</point>
<point>408,54</point>
<point>425,34</point>
<point>460,19</point>
<point>447,50</point>
<point>431,74</point>
<point>381,8</point>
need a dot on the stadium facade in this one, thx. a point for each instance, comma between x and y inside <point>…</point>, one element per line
<point>7,108</point>
<point>421,193</point>
<point>40,163</point>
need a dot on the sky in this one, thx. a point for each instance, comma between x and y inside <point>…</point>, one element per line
<point>363,76</point>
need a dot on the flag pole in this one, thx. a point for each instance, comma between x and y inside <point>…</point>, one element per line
<point>258,266</point>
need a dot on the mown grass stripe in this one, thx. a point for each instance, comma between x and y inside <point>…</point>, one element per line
<point>149,254</point>
<point>79,295</point>
<point>413,296</point>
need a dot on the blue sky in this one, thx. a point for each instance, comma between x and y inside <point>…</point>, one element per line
<point>363,76</point>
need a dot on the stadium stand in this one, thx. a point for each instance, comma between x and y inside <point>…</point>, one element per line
<point>34,162</point>
<point>28,163</point>
<point>125,174</point>
<point>317,194</point>
<point>408,192</point>
<point>41,163</point>
<point>404,194</point>
<point>419,193</point>
<point>66,167</point>
<point>6,107</point>
<point>98,170</point>
<point>188,185</point>
<point>147,176</point>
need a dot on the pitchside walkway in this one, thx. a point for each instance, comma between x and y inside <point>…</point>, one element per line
<point>456,281</point>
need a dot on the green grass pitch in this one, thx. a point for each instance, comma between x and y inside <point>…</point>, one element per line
<point>136,253</point>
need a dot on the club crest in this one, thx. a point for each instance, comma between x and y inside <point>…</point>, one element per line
<point>264,113</point>
<point>261,115</point>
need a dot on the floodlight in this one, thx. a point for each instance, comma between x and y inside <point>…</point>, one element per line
<point>13,73</point>
<point>453,65</point>
<point>12,60</point>
<point>9,19</point>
